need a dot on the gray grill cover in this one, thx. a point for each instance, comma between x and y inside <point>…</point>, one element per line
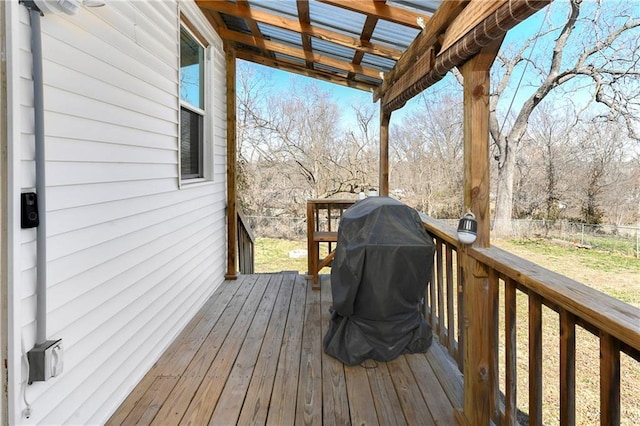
<point>383,261</point>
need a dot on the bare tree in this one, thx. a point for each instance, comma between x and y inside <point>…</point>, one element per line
<point>597,49</point>
<point>293,146</point>
<point>543,170</point>
<point>600,157</point>
<point>427,154</point>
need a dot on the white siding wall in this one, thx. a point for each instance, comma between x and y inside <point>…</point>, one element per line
<point>131,256</point>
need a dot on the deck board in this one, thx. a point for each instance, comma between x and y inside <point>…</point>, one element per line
<point>256,403</point>
<point>282,408</point>
<point>235,388</point>
<point>385,397</point>
<point>309,406</point>
<point>335,405</point>
<point>253,355</point>
<point>415,410</point>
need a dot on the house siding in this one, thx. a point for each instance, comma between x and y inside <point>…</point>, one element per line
<point>132,254</point>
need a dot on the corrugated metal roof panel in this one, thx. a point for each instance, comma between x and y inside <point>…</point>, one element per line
<point>337,19</point>
<point>283,8</point>
<point>428,7</point>
<point>330,69</point>
<point>333,50</point>
<point>294,60</point>
<point>374,61</point>
<point>394,35</point>
<point>235,23</point>
<point>280,35</point>
<point>367,79</point>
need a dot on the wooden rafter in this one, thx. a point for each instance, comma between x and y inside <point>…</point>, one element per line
<point>305,20</point>
<point>367,32</point>
<point>253,25</point>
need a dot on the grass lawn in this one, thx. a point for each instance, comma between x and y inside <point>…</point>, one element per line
<point>272,255</point>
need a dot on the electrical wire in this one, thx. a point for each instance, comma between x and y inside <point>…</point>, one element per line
<point>526,65</point>
<point>25,361</point>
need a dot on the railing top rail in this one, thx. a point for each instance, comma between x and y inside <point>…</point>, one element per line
<point>245,225</point>
<point>613,316</point>
<point>440,229</point>
<point>608,314</point>
<point>335,201</point>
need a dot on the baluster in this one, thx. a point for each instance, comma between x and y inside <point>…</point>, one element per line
<point>511,377</point>
<point>312,226</point>
<point>535,359</point>
<point>432,291</point>
<point>451,328</point>
<point>567,368</point>
<point>461,332</point>
<point>609,380</point>
<point>329,226</point>
<point>441,317</point>
<point>493,344</point>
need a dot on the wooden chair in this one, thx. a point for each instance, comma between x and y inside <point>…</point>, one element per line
<point>323,218</point>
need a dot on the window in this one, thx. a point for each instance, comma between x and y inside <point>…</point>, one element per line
<point>192,106</point>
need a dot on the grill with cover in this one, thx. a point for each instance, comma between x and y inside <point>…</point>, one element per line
<point>383,261</point>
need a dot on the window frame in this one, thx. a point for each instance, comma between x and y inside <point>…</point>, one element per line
<point>205,162</point>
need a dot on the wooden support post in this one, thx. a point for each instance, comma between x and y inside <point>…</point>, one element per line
<point>312,252</point>
<point>232,213</point>
<point>385,117</point>
<point>477,318</point>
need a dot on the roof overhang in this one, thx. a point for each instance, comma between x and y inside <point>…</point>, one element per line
<point>393,48</point>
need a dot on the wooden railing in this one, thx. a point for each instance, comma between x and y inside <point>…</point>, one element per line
<point>444,295</point>
<point>521,292</point>
<point>323,217</point>
<point>246,246</point>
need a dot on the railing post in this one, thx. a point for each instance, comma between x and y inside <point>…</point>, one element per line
<point>476,317</point>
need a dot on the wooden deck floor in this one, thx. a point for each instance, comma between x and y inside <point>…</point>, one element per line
<point>253,355</point>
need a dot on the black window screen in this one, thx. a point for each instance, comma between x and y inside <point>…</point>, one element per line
<point>190,143</point>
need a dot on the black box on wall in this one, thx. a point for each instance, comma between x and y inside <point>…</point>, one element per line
<point>29,210</point>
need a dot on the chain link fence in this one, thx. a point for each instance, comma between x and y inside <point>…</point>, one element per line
<point>289,228</point>
<point>612,238</point>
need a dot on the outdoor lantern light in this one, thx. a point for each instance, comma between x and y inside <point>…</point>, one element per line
<point>467,228</point>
